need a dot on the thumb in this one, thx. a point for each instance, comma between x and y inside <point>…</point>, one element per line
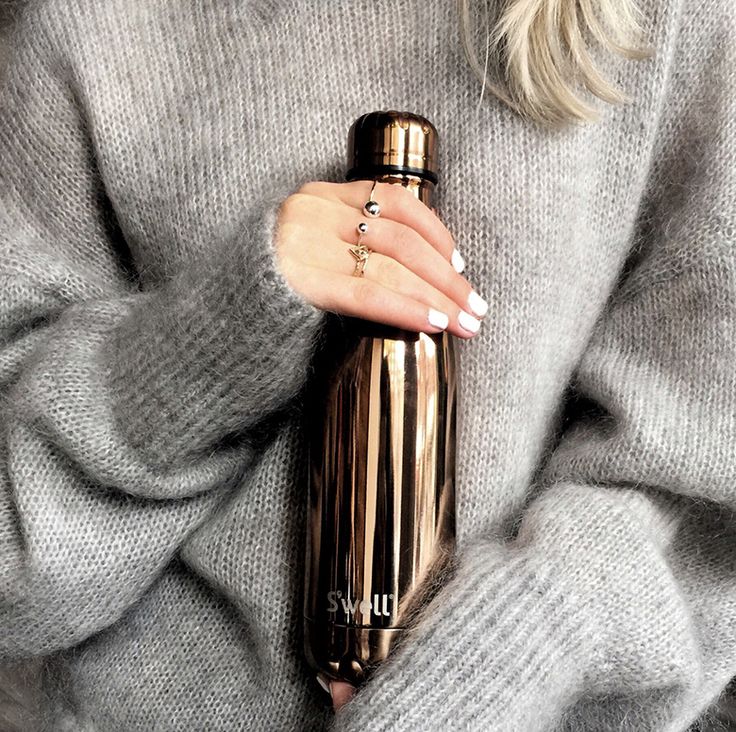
<point>340,691</point>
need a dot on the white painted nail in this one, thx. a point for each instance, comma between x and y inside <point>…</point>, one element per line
<point>457,261</point>
<point>477,304</point>
<point>468,322</point>
<point>323,683</point>
<point>438,319</point>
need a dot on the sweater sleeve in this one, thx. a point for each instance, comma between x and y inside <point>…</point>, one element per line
<point>614,606</point>
<point>125,412</point>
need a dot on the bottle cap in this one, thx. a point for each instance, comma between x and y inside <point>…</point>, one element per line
<point>391,142</point>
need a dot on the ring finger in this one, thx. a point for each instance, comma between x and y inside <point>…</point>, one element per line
<point>396,277</point>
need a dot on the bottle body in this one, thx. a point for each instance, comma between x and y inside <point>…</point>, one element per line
<point>381,436</point>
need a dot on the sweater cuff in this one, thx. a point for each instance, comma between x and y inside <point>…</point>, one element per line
<point>496,648</point>
<point>214,351</point>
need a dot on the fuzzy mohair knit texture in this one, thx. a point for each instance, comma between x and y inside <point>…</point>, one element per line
<point>154,363</point>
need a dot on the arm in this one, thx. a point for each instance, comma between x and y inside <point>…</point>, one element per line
<point>125,414</point>
<point>613,608</point>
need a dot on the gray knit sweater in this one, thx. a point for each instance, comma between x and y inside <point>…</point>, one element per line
<point>154,363</point>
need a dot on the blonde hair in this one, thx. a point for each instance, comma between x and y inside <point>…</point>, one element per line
<point>537,56</point>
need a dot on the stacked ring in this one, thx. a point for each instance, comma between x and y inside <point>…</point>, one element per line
<point>361,252</point>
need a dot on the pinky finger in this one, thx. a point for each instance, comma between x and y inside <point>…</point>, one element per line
<point>360,297</point>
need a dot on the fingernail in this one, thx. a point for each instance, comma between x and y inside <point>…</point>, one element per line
<point>438,319</point>
<point>477,304</point>
<point>468,322</point>
<point>322,681</point>
<point>457,261</point>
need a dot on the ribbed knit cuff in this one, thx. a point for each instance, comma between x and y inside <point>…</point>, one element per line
<point>496,648</point>
<point>216,350</point>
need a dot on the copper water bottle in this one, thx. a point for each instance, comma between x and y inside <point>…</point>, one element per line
<point>380,424</point>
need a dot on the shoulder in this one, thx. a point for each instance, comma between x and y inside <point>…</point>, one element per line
<point>104,41</point>
<point>80,20</point>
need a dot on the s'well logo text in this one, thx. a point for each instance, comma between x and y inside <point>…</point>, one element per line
<point>379,607</point>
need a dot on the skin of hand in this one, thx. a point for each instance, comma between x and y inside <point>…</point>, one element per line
<point>342,692</point>
<point>411,279</point>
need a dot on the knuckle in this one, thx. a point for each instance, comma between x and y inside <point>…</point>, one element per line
<point>455,295</point>
<point>413,257</point>
<point>401,194</point>
<point>295,204</point>
<point>364,292</point>
<point>287,233</point>
<point>393,191</point>
<point>384,270</point>
<point>310,188</point>
<point>451,307</point>
<point>406,241</point>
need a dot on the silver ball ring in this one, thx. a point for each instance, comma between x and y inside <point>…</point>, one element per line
<point>371,207</point>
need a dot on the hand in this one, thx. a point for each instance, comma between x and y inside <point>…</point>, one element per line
<point>408,282</point>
